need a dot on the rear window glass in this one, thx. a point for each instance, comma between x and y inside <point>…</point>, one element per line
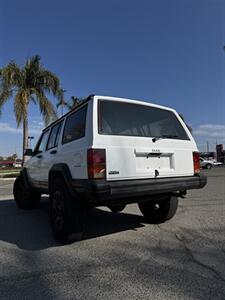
<point>75,126</point>
<point>127,119</point>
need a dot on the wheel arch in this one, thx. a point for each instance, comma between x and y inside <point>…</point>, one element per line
<point>60,170</point>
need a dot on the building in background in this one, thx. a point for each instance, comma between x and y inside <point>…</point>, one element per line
<point>7,164</point>
<point>220,153</point>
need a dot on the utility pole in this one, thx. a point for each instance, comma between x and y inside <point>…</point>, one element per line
<point>207,146</point>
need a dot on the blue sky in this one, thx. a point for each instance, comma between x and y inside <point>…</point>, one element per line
<point>165,52</point>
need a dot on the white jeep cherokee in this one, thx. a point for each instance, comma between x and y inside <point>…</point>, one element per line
<point>110,152</point>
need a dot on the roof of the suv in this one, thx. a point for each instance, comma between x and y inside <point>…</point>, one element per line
<point>110,99</point>
<point>134,101</point>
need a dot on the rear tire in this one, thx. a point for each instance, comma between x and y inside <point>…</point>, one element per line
<point>117,208</point>
<point>25,197</point>
<point>160,211</point>
<point>67,214</point>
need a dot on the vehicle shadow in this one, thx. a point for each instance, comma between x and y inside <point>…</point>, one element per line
<point>30,229</point>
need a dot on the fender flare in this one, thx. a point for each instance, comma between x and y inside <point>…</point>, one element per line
<point>24,175</point>
<point>61,169</point>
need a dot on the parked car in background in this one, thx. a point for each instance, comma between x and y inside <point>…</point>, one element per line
<point>208,164</point>
<point>217,163</point>
<point>205,164</point>
<point>17,163</point>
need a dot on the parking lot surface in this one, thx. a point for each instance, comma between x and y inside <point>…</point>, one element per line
<point>122,257</point>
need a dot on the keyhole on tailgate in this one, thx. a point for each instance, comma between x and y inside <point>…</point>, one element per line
<point>156,173</point>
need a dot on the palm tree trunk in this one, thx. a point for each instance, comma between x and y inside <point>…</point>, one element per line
<point>25,135</point>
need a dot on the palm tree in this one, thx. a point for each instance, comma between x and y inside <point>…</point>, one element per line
<point>62,101</point>
<point>26,84</point>
<point>75,101</point>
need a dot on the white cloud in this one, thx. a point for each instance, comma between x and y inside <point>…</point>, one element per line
<point>8,128</point>
<point>210,131</point>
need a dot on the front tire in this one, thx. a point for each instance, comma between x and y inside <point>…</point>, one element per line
<point>67,214</point>
<point>25,197</point>
<point>159,211</point>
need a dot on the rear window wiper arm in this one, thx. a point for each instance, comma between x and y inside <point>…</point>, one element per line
<point>164,136</point>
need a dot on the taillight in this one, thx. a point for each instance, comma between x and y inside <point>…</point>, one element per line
<point>96,163</point>
<point>196,162</point>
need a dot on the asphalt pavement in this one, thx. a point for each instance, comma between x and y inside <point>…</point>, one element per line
<point>122,257</point>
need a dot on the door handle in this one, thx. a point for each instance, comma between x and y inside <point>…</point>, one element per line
<point>53,152</point>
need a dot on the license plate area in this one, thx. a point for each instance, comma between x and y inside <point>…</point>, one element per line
<point>147,162</point>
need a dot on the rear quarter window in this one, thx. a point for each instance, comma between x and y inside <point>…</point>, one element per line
<point>54,136</point>
<point>74,128</point>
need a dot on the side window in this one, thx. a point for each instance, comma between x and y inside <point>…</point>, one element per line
<point>54,136</point>
<point>42,143</point>
<point>74,128</point>
<point>58,134</point>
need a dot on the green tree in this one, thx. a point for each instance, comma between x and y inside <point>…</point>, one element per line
<point>26,84</point>
<point>12,157</point>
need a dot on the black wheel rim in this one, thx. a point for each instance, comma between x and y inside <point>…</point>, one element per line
<point>58,210</point>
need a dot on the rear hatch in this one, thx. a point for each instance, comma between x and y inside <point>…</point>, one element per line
<point>143,141</point>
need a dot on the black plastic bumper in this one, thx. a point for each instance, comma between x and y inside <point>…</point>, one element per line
<point>100,191</point>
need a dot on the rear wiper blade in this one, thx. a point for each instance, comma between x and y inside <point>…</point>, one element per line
<point>164,136</point>
<point>169,136</point>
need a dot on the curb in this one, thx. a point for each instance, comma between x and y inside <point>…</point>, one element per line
<point>6,197</point>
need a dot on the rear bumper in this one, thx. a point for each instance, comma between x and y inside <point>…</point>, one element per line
<point>102,191</point>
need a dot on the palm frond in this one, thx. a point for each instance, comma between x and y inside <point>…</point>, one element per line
<point>75,101</point>
<point>46,109</point>
<point>4,96</point>
<point>61,101</point>
<point>20,105</point>
<point>49,81</point>
<point>32,70</point>
<point>10,75</point>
